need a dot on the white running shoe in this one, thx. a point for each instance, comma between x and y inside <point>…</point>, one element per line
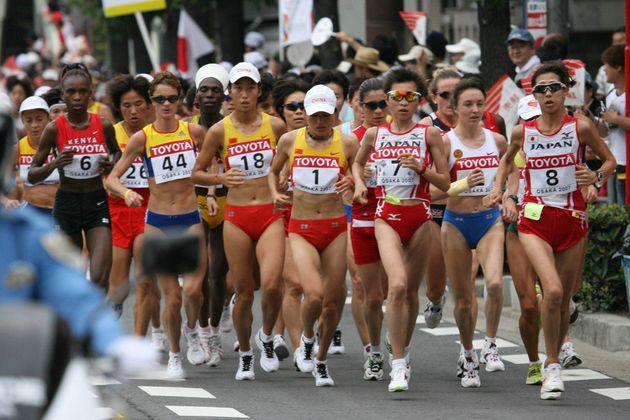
<point>174,370</point>
<point>336,346</point>
<point>268,359</point>
<point>158,339</point>
<point>303,356</point>
<point>280,347</point>
<point>195,353</point>
<point>226,324</point>
<point>461,361</point>
<point>374,369</point>
<point>470,376</point>
<point>433,312</point>
<point>552,386</point>
<point>204,338</point>
<point>568,356</point>
<point>245,370</point>
<point>399,381</point>
<point>216,350</point>
<point>321,375</point>
<point>490,356</point>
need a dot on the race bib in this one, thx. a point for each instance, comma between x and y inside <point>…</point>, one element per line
<point>488,165</point>
<point>136,176</point>
<point>253,158</point>
<point>315,174</point>
<point>390,172</point>
<point>85,166</point>
<point>172,161</point>
<point>550,175</point>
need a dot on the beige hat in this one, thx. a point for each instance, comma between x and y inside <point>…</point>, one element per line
<point>370,58</point>
<point>415,52</point>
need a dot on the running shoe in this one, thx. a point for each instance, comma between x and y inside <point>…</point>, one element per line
<point>226,322</point>
<point>195,353</point>
<point>568,356</point>
<point>461,361</point>
<point>268,359</point>
<point>433,312</point>
<point>280,347</point>
<point>470,376</point>
<point>490,357</point>
<point>245,370</point>
<point>574,313</point>
<point>534,374</point>
<point>374,368</point>
<point>552,386</point>
<point>336,347</point>
<point>204,338</point>
<point>158,339</point>
<point>321,375</point>
<point>399,380</point>
<point>304,356</point>
<point>216,350</point>
<point>174,370</point>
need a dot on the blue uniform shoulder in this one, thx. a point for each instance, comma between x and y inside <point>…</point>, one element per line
<point>26,219</point>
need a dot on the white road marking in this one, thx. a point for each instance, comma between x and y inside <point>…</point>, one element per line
<point>104,413</point>
<point>614,393</point>
<point>521,359</point>
<point>102,381</point>
<point>442,331</point>
<point>501,343</point>
<point>569,375</point>
<point>186,411</point>
<point>169,391</point>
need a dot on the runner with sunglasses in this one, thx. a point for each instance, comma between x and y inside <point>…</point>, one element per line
<point>319,157</point>
<point>288,96</point>
<point>552,221</point>
<point>474,154</point>
<point>85,148</point>
<point>168,148</point>
<point>373,103</point>
<point>246,140</point>
<point>444,119</point>
<point>408,156</point>
<point>130,96</point>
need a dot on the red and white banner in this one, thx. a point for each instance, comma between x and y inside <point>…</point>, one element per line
<point>577,71</point>
<point>502,99</point>
<point>192,43</point>
<point>417,24</point>
<point>537,19</point>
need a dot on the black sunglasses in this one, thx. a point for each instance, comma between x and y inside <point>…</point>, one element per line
<point>294,106</point>
<point>161,99</point>
<point>375,104</point>
<point>444,95</point>
<point>552,87</point>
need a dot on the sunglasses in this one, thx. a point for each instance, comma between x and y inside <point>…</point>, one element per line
<point>161,99</point>
<point>294,106</point>
<point>375,104</point>
<point>444,95</point>
<point>551,87</point>
<point>227,98</point>
<point>399,95</point>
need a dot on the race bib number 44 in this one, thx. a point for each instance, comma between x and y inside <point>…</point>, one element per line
<point>254,157</point>
<point>172,161</point>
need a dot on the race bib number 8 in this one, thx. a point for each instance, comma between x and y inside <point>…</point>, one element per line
<point>548,177</point>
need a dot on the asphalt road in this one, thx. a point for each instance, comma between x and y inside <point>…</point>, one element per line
<point>434,392</point>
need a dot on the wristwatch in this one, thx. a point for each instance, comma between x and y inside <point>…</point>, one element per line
<point>513,197</point>
<point>600,176</point>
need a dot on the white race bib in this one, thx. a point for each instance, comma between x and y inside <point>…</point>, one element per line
<point>552,175</point>
<point>253,158</point>
<point>315,174</point>
<point>136,176</point>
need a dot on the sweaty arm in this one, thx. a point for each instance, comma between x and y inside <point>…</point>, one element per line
<point>283,150</point>
<point>39,171</point>
<point>590,137</point>
<point>113,184</point>
<point>506,165</point>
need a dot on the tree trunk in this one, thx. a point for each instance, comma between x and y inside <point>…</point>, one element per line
<point>230,30</point>
<point>494,27</point>
<point>330,52</point>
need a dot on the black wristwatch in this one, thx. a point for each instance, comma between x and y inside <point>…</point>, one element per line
<point>514,197</point>
<point>600,176</point>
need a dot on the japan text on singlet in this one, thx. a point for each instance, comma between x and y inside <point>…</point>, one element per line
<point>169,156</point>
<point>88,145</point>
<point>463,159</point>
<point>550,161</point>
<point>392,179</point>
<point>252,153</point>
<point>136,176</point>
<point>316,171</point>
<point>26,151</point>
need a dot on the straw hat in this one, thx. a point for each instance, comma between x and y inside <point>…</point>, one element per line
<point>370,58</point>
